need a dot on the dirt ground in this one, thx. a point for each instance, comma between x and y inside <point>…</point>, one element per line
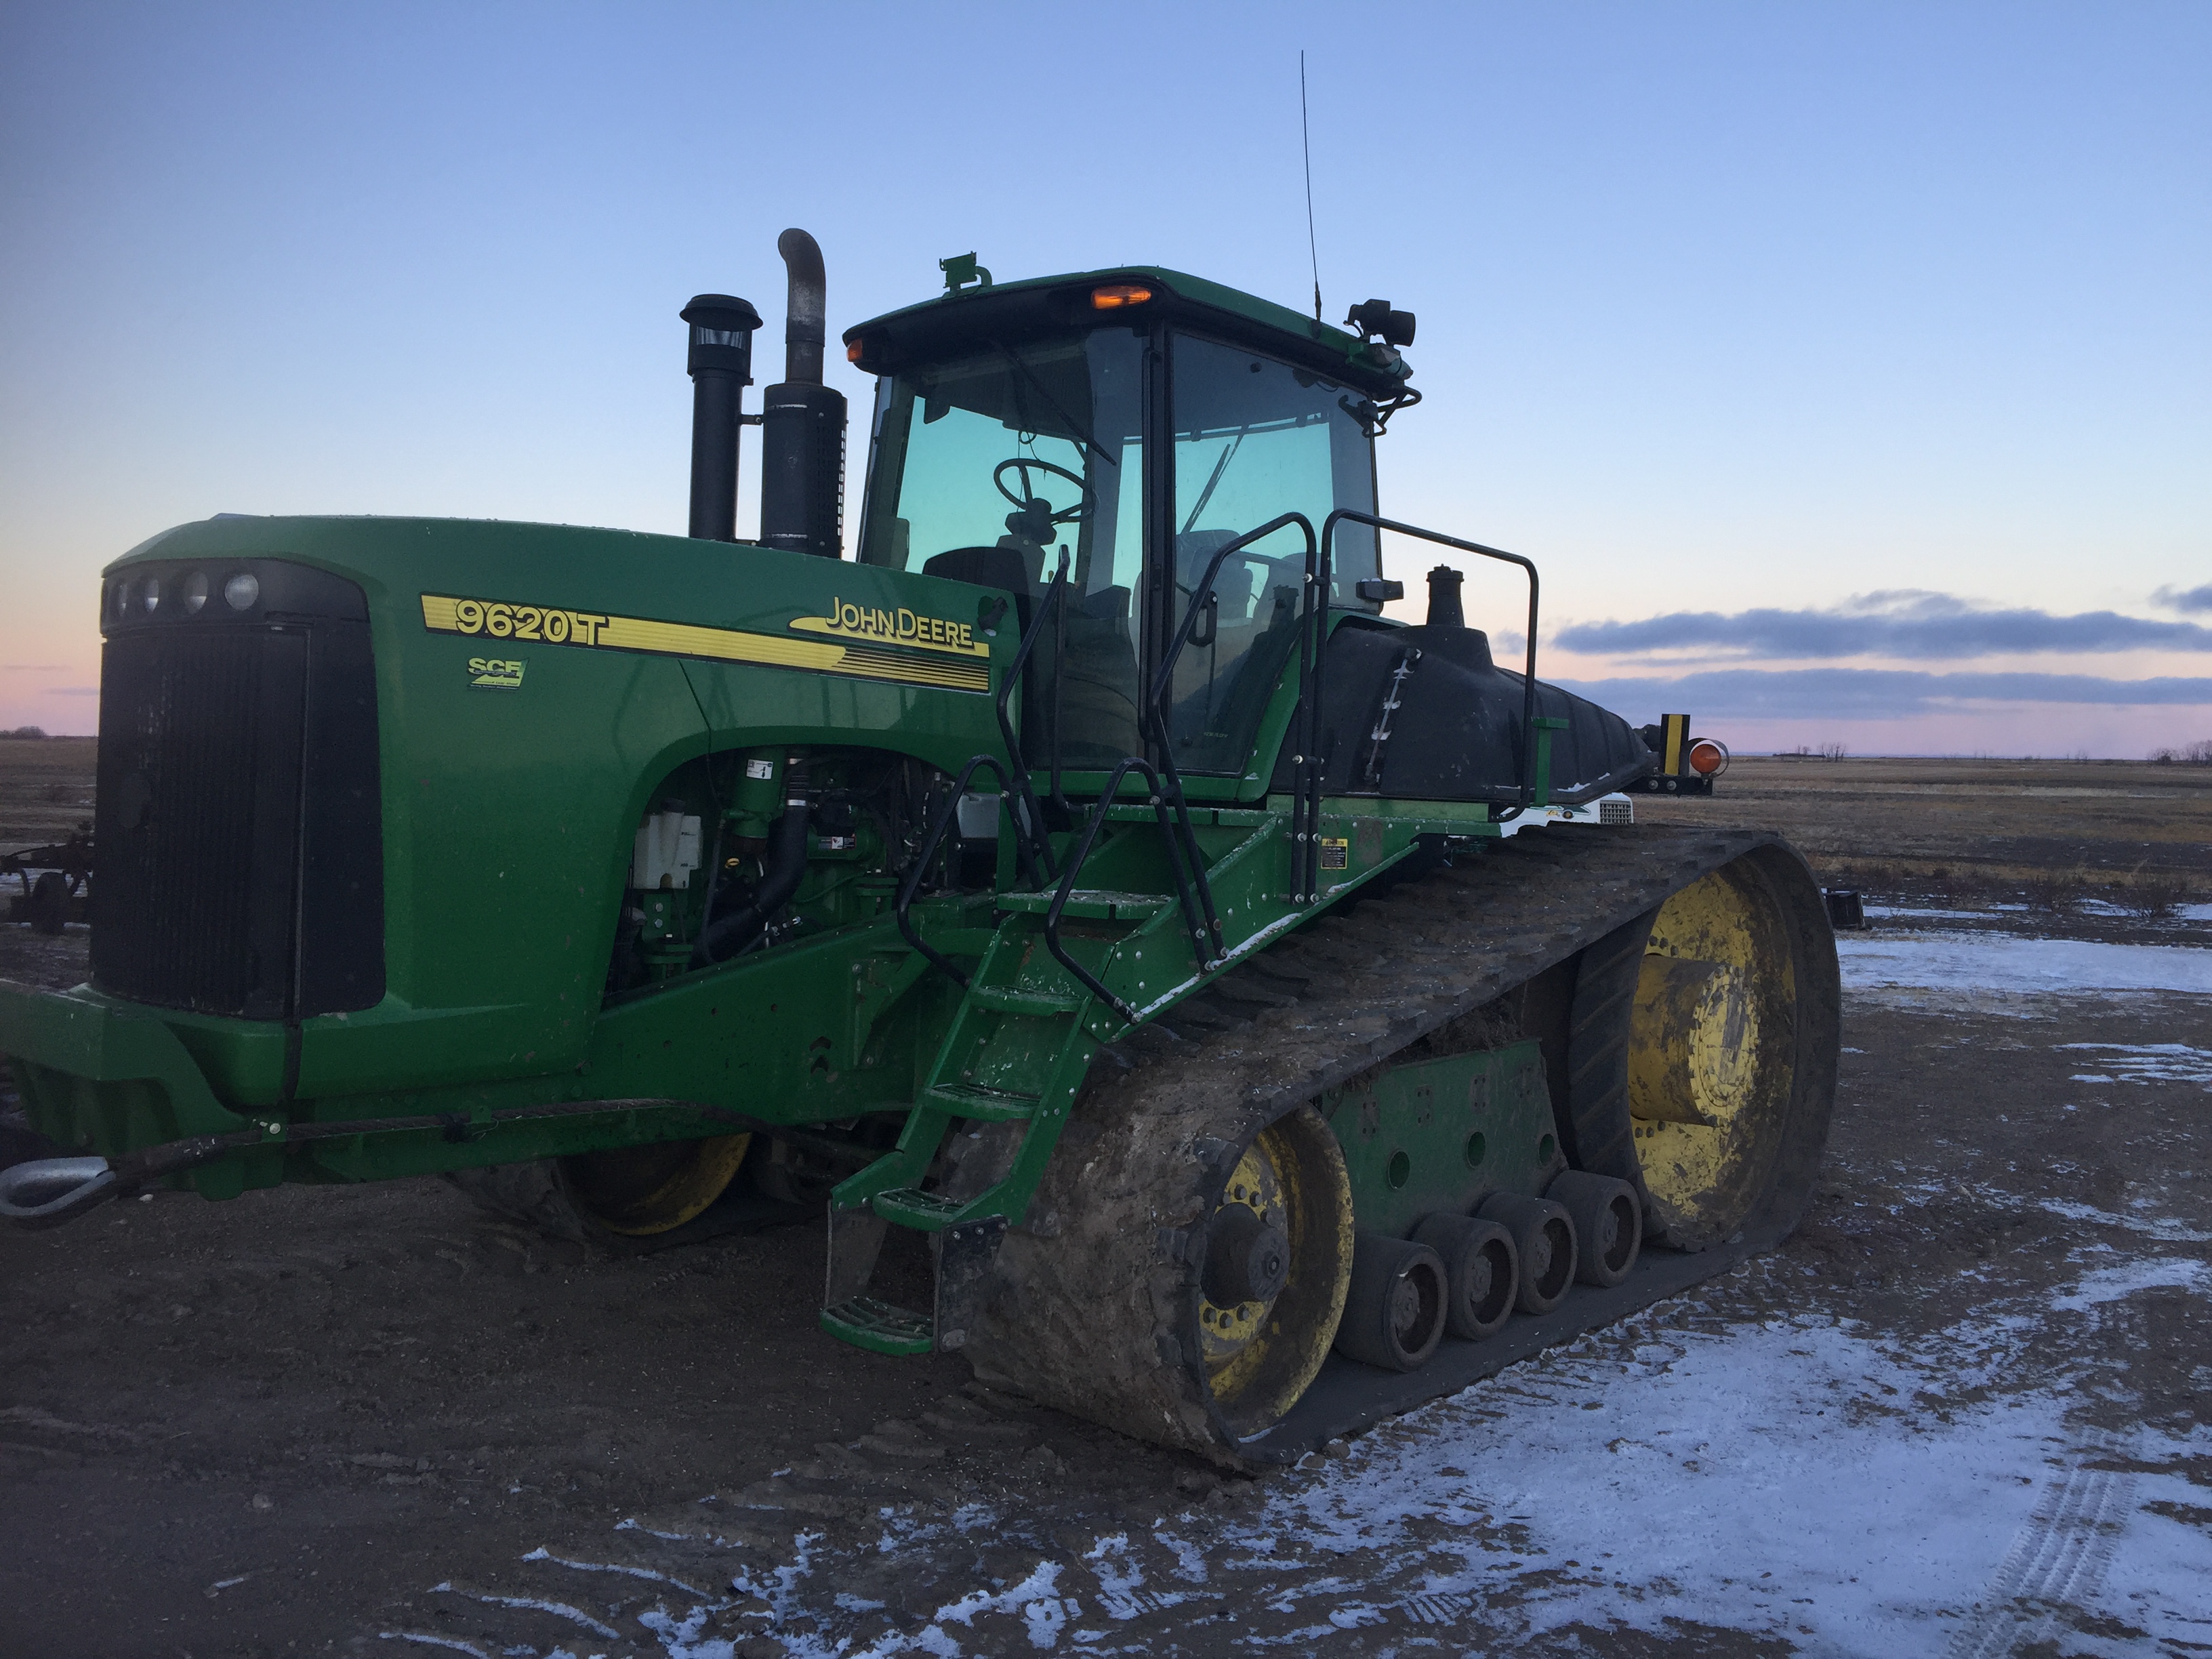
<point>368,1420</point>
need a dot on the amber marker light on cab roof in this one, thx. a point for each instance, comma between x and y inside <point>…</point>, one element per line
<point>1114,295</point>
<point>853,351</point>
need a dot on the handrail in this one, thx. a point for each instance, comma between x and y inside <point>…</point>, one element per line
<point>1529,786</point>
<point>1158,719</point>
<point>912,885</point>
<point>1031,831</point>
<point>1073,868</point>
<point>1306,764</point>
<point>1058,796</point>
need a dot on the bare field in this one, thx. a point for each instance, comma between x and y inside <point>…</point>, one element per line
<point>1923,825</point>
<point>45,789</point>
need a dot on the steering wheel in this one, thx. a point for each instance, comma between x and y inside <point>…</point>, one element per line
<point>1025,465</point>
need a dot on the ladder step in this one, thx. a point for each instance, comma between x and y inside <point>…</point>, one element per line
<point>1093,903</point>
<point>972,1100</point>
<point>910,1206</point>
<point>879,1326</point>
<point>1038,1005</point>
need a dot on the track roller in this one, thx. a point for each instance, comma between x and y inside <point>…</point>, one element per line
<point>1609,1224</point>
<point>1482,1267</point>
<point>1393,1315</point>
<point>1544,1234</point>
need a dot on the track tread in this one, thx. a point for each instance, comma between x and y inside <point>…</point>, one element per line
<point>1093,1298</point>
<point>529,1193</point>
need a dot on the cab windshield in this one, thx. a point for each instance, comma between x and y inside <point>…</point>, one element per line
<point>988,466</point>
<point>1034,449</point>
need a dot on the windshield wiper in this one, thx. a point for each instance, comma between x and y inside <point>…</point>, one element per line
<point>1207,494</point>
<point>1082,438</point>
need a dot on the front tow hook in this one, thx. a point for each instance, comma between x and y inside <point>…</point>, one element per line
<point>48,1191</point>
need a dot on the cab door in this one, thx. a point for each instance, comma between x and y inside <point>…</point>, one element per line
<point>1250,438</point>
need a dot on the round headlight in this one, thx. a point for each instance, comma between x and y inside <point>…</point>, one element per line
<point>241,592</point>
<point>151,596</point>
<point>196,593</point>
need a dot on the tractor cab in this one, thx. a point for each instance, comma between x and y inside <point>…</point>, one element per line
<point>1123,427</point>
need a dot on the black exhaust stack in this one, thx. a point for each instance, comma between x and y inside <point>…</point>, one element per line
<point>721,364</point>
<point>803,421</point>
<point>1444,608</point>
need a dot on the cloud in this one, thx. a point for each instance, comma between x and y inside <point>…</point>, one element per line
<point>32,667</point>
<point>1871,693</point>
<point>72,691</point>
<point>2175,599</point>
<point>1907,622</point>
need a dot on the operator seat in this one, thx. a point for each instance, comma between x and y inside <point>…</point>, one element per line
<point>1097,701</point>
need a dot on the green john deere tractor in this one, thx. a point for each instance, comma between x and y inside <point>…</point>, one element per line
<point>1087,877</point>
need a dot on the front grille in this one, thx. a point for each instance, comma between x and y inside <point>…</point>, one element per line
<point>237,825</point>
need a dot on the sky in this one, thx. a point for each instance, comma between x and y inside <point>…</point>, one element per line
<point>1846,369</point>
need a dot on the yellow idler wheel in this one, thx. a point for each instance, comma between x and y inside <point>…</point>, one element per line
<point>1711,1050</point>
<point>638,1191</point>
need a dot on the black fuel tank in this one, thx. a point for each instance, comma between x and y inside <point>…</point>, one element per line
<point>1456,734</point>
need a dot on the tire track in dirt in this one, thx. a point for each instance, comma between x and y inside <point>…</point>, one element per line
<point>2056,1561</point>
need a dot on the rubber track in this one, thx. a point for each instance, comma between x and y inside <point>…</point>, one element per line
<point>531,1194</point>
<point>1096,1313</point>
<point>1599,1135</point>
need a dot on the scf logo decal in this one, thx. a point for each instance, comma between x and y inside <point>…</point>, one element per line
<point>491,674</point>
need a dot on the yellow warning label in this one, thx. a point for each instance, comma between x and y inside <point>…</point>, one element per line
<point>501,619</point>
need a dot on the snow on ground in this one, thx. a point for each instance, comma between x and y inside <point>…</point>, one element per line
<point>1799,1481</point>
<point>2101,908</point>
<point>2003,963</point>
<point>2144,1062</point>
<point>1785,1481</point>
<point>1747,1478</point>
<point>1911,912</point>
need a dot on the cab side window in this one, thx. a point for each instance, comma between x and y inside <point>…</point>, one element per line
<point>1254,438</point>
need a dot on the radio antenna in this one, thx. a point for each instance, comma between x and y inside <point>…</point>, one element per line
<point>1305,140</point>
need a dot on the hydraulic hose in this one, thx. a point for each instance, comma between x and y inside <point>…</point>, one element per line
<point>785,863</point>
